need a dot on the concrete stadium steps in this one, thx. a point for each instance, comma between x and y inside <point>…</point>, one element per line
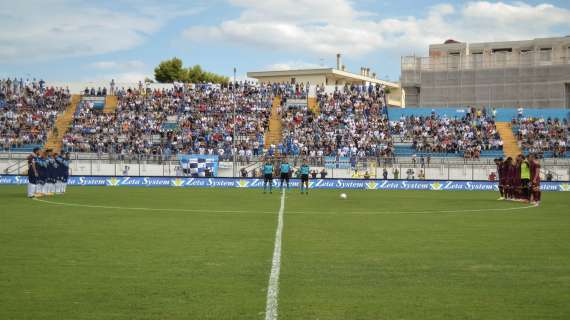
<point>111,103</point>
<point>54,140</point>
<point>510,145</point>
<point>274,135</point>
<point>313,105</point>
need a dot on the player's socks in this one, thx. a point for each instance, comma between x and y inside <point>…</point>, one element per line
<point>30,190</point>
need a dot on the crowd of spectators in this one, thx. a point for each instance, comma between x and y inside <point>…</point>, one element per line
<point>291,91</point>
<point>470,135</point>
<point>28,109</point>
<point>538,135</point>
<point>92,92</point>
<point>164,122</point>
<point>351,122</point>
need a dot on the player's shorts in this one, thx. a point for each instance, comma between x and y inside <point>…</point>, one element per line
<point>285,176</point>
<point>304,177</point>
<point>268,177</point>
<point>525,183</point>
<point>32,179</point>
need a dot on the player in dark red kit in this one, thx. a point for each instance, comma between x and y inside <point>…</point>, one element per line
<point>516,179</point>
<point>509,170</point>
<point>502,177</point>
<point>534,179</point>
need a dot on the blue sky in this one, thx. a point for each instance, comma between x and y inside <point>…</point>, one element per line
<point>76,40</point>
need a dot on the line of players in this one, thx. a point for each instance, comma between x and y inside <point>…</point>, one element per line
<point>48,173</point>
<point>285,171</point>
<point>519,179</point>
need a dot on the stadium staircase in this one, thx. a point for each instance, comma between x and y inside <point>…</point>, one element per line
<point>111,103</point>
<point>510,145</point>
<point>55,137</point>
<point>313,105</point>
<point>274,134</point>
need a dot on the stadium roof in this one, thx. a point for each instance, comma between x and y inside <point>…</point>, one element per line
<point>331,73</point>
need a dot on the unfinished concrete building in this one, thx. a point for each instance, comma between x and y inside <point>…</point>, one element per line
<point>529,74</point>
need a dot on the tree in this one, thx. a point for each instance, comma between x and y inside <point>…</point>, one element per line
<point>169,71</point>
<point>195,74</point>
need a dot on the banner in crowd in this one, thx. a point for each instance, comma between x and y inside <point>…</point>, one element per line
<point>439,185</point>
<point>197,165</point>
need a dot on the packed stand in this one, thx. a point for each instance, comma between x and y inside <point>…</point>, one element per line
<point>194,119</point>
<point>298,91</point>
<point>542,136</point>
<point>469,135</point>
<point>28,110</point>
<point>352,123</point>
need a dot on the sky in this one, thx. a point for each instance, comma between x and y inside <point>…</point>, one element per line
<point>76,40</point>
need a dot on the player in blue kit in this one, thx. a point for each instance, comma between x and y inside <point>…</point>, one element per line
<point>268,176</point>
<point>33,173</point>
<point>59,174</point>
<point>51,173</point>
<point>41,166</point>
<point>65,171</point>
<point>285,171</point>
<point>305,169</point>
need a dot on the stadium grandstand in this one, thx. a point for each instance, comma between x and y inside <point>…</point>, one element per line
<point>349,129</point>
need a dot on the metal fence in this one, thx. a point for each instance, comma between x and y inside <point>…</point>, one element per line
<point>380,168</point>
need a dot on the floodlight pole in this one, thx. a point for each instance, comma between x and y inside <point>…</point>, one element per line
<point>234,150</point>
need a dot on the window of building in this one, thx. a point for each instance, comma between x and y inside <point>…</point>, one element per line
<point>502,50</point>
<point>545,54</point>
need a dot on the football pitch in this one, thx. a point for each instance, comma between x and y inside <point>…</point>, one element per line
<point>184,253</point>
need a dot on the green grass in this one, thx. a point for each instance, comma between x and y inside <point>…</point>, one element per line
<point>206,254</point>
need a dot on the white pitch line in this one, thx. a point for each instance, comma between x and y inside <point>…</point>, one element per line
<point>273,285</point>
<point>413,212</point>
<point>142,209</point>
<point>289,212</point>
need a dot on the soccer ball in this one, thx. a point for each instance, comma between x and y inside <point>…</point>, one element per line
<point>343,196</point>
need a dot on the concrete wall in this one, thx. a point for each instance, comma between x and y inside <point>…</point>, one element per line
<point>312,79</point>
<point>529,87</point>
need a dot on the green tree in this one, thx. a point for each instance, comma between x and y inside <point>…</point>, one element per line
<point>169,71</point>
<point>195,74</point>
<point>172,70</point>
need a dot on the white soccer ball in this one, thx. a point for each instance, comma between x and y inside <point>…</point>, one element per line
<point>343,196</point>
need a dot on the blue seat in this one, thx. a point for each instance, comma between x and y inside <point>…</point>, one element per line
<point>26,148</point>
<point>99,106</point>
<point>169,126</point>
<point>492,153</point>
